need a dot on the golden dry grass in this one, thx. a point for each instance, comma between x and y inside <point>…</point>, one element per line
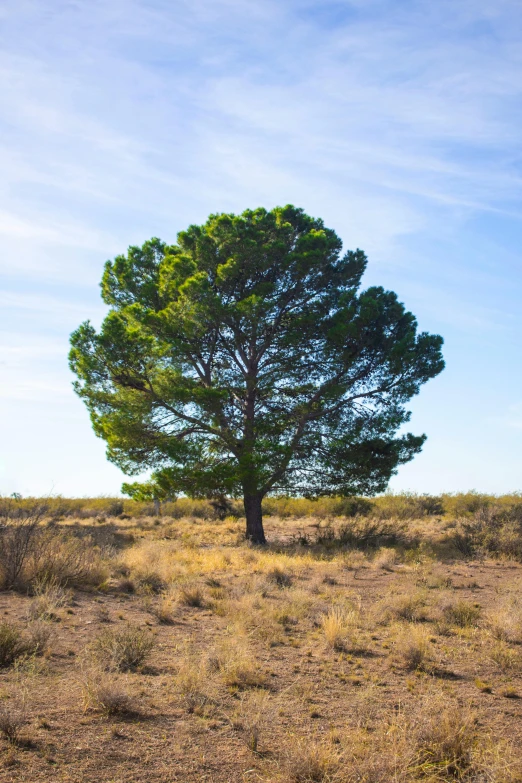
<point>198,657</point>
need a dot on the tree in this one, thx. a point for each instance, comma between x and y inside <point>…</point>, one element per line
<point>244,361</point>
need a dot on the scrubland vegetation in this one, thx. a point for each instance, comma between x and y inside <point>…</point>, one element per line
<point>371,641</point>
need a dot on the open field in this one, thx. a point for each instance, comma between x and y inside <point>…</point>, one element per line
<point>382,646</point>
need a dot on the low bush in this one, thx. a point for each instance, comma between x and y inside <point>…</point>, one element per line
<point>194,685</point>
<point>445,738</point>
<point>20,535</point>
<point>412,649</point>
<point>311,761</point>
<point>13,717</point>
<point>12,644</point>
<point>461,613</point>
<point>191,595</point>
<point>104,693</point>
<point>124,649</point>
<point>341,631</point>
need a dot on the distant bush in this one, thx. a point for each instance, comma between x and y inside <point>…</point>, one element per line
<point>390,506</point>
<point>19,534</point>
<point>493,529</point>
<point>406,506</point>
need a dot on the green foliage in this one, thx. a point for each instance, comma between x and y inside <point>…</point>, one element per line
<point>244,361</point>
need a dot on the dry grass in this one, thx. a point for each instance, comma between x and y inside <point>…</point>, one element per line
<point>342,631</point>
<point>505,622</point>
<point>409,605</point>
<point>194,684</point>
<point>308,660</point>
<point>124,649</point>
<point>13,717</point>
<point>237,665</point>
<point>460,613</point>
<point>106,694</point>
<point>413,649</point>
<point>252,716</point>
<point>311,760</point>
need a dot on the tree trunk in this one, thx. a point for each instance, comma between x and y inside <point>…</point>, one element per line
<point>254,519</point>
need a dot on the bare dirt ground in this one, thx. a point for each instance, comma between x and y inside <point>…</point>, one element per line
<point>290,663</point>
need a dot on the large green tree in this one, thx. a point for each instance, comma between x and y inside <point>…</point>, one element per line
<point>244,360</point>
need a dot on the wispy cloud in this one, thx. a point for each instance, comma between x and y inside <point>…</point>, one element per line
<point>399,123</point>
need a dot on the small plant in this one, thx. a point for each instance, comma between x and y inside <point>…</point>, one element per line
<point>12,719</point>
<point>412,648</point>
<point>103,693</point>
<point>340,627</point>
<point>253,714</point>
<point>50,596</point>
<point>461,613</point>
<point>505,657</point>
<point>12,644</point>
<point>123,649</point>
<point>311,761</point>
<point>279,577</point>
<point>192,684</point>
<point>192,595</point>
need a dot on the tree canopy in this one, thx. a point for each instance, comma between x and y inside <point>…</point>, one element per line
<point>245,360</point>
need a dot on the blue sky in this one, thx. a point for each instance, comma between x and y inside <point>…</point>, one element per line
<point>399,122</point>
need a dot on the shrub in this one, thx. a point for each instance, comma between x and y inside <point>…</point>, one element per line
<point>444,739</point>
<point>493,529</point>
<point>311,761</point>
<point>12,644</point>
<point>65,559</point>
<point>105,694</point>
<point>123,649</point>
<point>49,597</point>
<point>279,576</point>
<point>19,531</point>
<point>412,648</point>
<point>407,505</point>
<point>192,595</point>
<point>12,719</point>
<point>341,631</point>
<point>461,613</point>
<point>360,533</point>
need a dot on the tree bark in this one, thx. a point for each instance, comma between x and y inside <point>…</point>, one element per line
<point>254,519</point>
